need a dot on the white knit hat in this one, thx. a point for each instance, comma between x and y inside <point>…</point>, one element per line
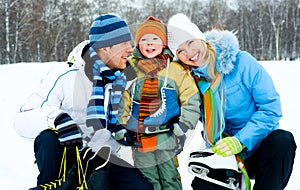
<point>180,29</point>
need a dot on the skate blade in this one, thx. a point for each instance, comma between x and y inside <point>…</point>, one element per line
<point>199,154</point>
<point>201,172</point>
<point>155,130</point>
<point>212,160</point>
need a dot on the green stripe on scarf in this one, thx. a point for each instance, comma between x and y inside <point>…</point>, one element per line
<point>213,112</point>
<point>214,123</point>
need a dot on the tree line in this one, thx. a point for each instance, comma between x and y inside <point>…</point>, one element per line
<point>47,30</point>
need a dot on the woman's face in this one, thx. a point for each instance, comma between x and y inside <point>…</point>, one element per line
<point>191,52</point>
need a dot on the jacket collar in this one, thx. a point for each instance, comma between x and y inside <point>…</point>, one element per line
<point>227,47</point>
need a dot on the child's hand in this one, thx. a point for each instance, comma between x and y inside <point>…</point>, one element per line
<point>180,140</point>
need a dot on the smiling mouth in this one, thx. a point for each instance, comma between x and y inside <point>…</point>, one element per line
<point>195,58</point>
<point>125,59</point>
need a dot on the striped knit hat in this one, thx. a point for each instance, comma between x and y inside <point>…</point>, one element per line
<point>151,25</point>
<point>108,30</point>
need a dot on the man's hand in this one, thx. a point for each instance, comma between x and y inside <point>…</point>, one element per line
<point>68,131</point>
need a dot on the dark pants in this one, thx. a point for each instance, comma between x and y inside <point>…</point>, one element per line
<point>98,180</point>
<point>118,175</point>
<point>125,177</point>
<point>48,155</point>
<point>271,165</point>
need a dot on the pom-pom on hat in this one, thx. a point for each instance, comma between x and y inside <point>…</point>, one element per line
<point>151,25</point>
<point>180,29</point>
<point>108,30</point>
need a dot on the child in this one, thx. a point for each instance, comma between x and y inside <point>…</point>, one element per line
<point>158,108</point>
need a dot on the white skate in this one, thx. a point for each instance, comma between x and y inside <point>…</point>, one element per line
<point>223,171</point>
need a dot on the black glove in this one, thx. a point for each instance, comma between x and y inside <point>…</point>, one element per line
<point>68,131</point>
<point>180,140</point>
<point>178,129</point>
<point>123,136</point>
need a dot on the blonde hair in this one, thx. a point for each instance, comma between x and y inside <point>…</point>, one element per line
<point>210,56</point>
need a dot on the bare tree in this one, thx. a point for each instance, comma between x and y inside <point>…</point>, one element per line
<point>295,20</point>
<point>47,30</point>
<point>7,32</point>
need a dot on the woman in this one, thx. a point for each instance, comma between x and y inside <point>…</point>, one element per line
<point>252,109</point>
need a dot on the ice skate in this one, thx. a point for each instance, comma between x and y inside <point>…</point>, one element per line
<point>168,109</point>
<point>216,169</point>
<point>94,160</point>
<point>67,179</point>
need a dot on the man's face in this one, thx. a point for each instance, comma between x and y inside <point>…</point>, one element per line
<point>115,57</point>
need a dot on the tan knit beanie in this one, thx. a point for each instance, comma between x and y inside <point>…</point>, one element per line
<point>151,25</point>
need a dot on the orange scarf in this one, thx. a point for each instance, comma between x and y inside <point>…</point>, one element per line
<point>149,99</point>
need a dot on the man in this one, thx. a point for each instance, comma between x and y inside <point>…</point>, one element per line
<point>61,102</point>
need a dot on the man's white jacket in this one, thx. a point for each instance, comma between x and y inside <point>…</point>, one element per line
<point>65,88</point>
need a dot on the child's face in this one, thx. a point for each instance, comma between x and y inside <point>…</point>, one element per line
<point>150,45</point>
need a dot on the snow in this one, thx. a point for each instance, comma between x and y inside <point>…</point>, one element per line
<point>17,168</point>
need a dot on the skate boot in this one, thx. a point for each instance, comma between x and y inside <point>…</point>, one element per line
<point>70,182</point>
<point>67,179</point>
<point>216,169</point>
<point>94,160</point>
<point>168,109</point>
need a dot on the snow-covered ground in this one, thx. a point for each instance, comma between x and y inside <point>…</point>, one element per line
<point>17,168</point>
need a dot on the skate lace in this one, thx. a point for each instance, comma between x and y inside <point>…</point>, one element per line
<point>80,172</point>
<point>62,173</point>
<point>163,94</point>
<point>162,108</point>
<point>51,184</point>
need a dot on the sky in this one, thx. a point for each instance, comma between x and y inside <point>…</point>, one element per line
<point>17,168</point>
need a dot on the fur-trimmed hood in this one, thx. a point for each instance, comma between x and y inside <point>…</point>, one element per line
<point>227,47</point>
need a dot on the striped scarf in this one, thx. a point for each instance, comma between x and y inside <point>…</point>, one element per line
<point>214,123</point>
<point>103,76</point>
<point>246,183</point>
<point>213,107</point>
<point>149,101</point>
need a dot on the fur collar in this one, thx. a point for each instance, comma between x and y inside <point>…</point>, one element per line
<point>227,47</point>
